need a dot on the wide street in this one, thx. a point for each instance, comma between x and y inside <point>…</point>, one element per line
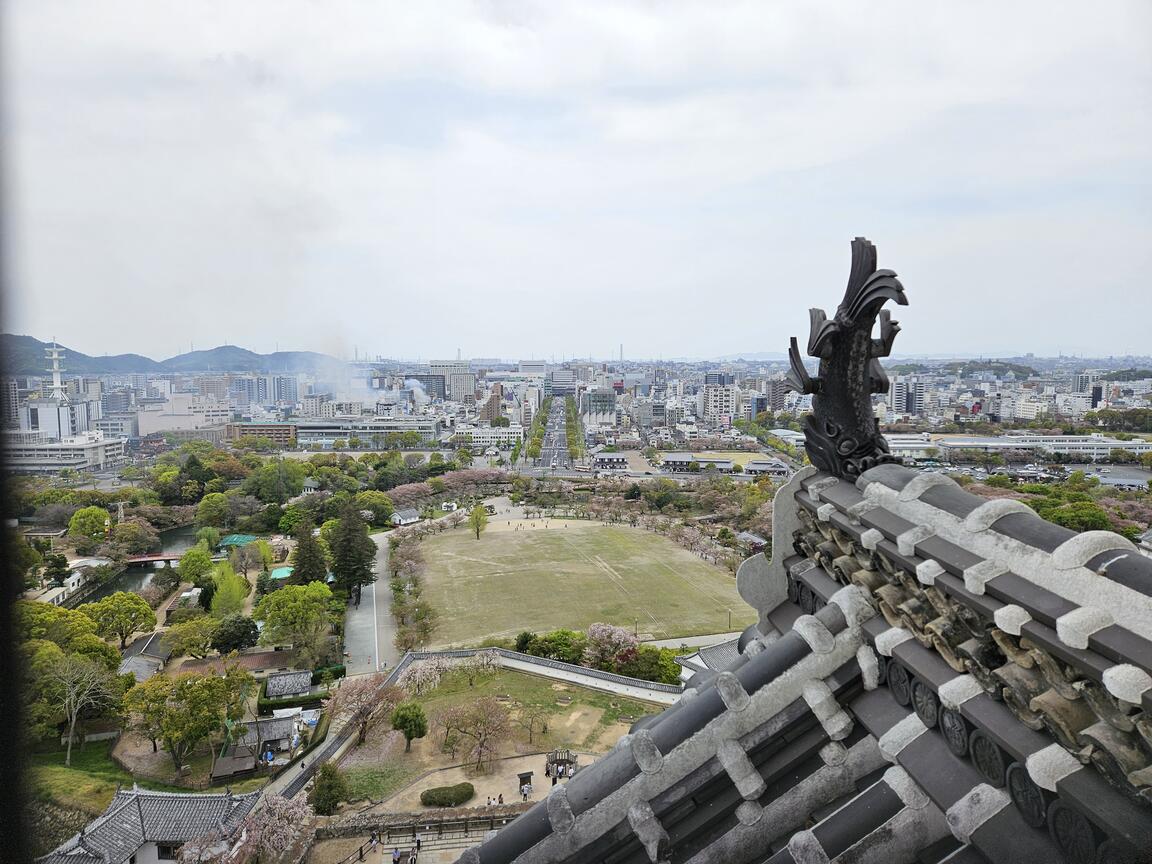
<point>369,630</point>
<point>554,452</point>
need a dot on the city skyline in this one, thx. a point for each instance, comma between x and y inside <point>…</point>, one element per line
<point>406,182</point>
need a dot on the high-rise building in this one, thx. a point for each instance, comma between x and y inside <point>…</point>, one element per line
<point>434,386</point>
<point>720,403</point>
<point>10,407</point>
<point>907,395</point>
<point>1082,383</point>
<point>598,407</point>
<point>720,378</point>
<point>459,380</point>
<point>560,382</point>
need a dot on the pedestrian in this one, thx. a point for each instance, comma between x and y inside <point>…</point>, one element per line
<point>373,842</point>
<point>419,841</point>
<point>524,792</point>
<point>395,855</point>
<point>499,800</point>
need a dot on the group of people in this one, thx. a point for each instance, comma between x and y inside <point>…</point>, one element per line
<point>398,857</point>
<point>499,799</point>
<point>526,791</point>
<point>559,770</point>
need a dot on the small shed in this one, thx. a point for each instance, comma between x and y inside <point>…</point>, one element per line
<point>282,685</point>
<point>752,542</point>
<point>407,516</point>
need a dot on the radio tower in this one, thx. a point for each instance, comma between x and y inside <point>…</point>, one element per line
<point>55,359</point>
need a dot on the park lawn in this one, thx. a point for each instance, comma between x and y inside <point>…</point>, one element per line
<point>544,579</point>
<point>576,725</point>
<point>380,782</point>
<point>89,783</point>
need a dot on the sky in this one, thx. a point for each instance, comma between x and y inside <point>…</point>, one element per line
<point>529,180</point>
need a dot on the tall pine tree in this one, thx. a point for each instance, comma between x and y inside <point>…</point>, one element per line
<point>308,561</point>
<point>353,551</point>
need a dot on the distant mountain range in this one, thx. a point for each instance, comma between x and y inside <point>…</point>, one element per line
<point>24,355</point>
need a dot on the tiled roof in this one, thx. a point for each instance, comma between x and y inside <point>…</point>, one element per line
<point>288,684</point>
<point>138,816</point>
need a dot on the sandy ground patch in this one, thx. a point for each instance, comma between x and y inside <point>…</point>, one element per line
<point>501,780</point>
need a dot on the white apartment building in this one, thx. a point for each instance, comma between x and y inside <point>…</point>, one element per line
<point>28,453</point>
<point>183,412</point>
<point>719,404</point>
<point>907,396</point>
<point>500,437</point>
<point>312,406</point>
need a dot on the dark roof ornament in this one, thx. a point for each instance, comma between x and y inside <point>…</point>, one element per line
<point>841,435</point>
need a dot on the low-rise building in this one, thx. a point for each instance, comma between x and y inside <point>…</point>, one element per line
<point>610,461</point>
<point>145,827</point>
<point>407,516</point>
<point>769,467</point>
<point>28,453</point>
<point>283,434</point>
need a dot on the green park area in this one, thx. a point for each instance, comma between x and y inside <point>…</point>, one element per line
<point>563,716</point>
<point>571,577</point>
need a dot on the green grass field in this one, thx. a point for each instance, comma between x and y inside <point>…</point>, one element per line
<point>538,580</point>
<point>90,781</point>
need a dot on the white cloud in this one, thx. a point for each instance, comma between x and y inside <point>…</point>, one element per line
<point>537,178</point>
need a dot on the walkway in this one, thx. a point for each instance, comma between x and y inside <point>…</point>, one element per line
<point>369,631</point>
<point>660,697</point>
<point>695,641</point>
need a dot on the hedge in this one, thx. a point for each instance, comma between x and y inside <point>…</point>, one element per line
<point>447,796</point>
<point>264,705</point>
<point>337,672</point>
<point>319,733</point>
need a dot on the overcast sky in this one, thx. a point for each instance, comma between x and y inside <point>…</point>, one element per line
<point>556,178</point>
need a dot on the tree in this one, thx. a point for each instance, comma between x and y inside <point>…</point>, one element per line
<point>213,510</point>
<point>146,704</point>
<point>56,568</point>
<point>194,707</point>
<point>121,614</point>
<point>479,667</point>
<point>70,630</point>
<point>328,790</point>
<point>136,536</point>
<point>195,564</point>
<point>409,718</point>
<point>192,637</point>
<point>353,552</point>
<point>87,526</point>
<point>464,457</point>
<point>532,717</point>
<point>244,558</point>
<point>486,726</point>
<point>608,646</point>
<point>25,559</point>
<point>276,481</point>
<point>209,536</point>
<point>77,685</point>
<point>272,830</point>
<point>379,503</point>
<point>478,519</point>
<point>298,614</point>
<point>235,632</point>
<point>366,699</point>
<point>309,564</point>
<point>231,590</point>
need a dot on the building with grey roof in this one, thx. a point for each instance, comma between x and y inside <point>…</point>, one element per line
<point>284,684</point>
<point>142,826</point>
